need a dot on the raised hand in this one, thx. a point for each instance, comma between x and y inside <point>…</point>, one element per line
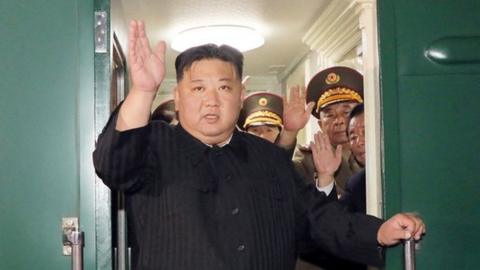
<point>147,67</point>
<point>325,158</point>
<point>295,114</point>
<point>147,70</point>
<point>295,117</point>
<point>402,226</point>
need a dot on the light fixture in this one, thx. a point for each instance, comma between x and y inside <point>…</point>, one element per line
<point>240,37</point>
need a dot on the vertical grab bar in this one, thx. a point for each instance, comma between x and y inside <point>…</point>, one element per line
<point>121,233</point>
<point>409,252</point>
<point>76,238</point>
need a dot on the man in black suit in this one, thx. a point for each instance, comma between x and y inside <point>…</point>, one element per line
<point>203,195</point>
<point>355,193</point>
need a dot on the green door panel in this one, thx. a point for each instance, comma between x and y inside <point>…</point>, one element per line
<point>419,24</point>
<point>440,165</point>
<point>45,130</point>
<point>430,112</point>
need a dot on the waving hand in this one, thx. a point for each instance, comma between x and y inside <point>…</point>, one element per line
<point>147,66</point>
<point>295,116</point>
<point>147,70</point>
<point>326,159</point>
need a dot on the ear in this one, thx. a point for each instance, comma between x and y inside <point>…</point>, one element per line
<point>176,96</point>
<point>242,96</point>
<point>245,81</point>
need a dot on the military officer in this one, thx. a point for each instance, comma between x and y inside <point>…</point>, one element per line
<point>262,115</point>
<point>335,91</point>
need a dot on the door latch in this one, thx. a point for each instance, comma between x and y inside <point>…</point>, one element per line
<point>69,225</point>
<point>73,241</point>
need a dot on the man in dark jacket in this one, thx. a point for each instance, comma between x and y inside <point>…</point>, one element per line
<point>203,195</point>
<point>355,193</point>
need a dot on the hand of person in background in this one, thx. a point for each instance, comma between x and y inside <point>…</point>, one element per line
<point>147,67</point>
<point>295,116</point>
<point>402,226</point>
<point>325,158</point>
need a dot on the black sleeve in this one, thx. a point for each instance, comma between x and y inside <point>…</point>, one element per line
<point>333,196</point>
<point>348,235</point>
<point>120,157</point>
<point>333,230</point>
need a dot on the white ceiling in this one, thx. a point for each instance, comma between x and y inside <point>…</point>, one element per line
<point>282,22</point>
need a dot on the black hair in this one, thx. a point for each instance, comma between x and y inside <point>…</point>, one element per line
<point>357,110</point>
<point>163,115</point>
<point>209,51</point>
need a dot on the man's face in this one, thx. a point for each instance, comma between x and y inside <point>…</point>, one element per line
<point>266,132</point>
<point>333,121</point>
<point>356,136</point>
<point>209,99</point>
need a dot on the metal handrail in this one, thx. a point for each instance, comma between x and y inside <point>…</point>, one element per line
<point>76,238</point>
<point>409,252</point>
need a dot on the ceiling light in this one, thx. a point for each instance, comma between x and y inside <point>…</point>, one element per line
<point>240,37</point>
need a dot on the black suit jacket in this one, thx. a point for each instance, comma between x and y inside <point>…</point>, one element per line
<point>242,206</point>
<point>355,194</point>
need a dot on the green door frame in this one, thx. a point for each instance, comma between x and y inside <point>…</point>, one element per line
<point>85,131</point>
<point>103,196</point>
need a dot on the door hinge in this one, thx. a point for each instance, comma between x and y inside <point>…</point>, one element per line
<point>101,37</point>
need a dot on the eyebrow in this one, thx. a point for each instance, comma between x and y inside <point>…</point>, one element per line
<point>326,110</point>
<point>222,79</point>
<point>198,80</point>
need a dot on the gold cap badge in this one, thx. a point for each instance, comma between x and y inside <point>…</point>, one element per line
<point>263,102</point>
<point>332,78</point>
